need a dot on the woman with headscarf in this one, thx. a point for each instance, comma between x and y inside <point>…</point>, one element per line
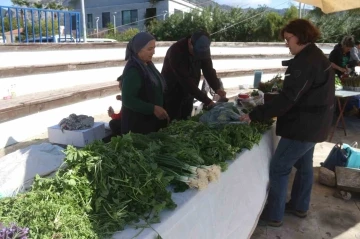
<point>142,88</point>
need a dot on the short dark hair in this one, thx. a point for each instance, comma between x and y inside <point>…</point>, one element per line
<point>348,41</point>
<point>357,42</point>
<point>303,29</point>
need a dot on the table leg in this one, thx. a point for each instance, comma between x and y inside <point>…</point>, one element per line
<point>340,117</point>
<point>342,114</point>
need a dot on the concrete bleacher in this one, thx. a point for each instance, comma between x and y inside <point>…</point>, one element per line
<point>54,80</point>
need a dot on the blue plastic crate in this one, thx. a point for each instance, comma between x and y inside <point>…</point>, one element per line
<point>353,156</point>
<point>257,78</point>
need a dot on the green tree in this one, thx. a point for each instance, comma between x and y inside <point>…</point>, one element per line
<point>335,26</point>
<point>272,25</point>
<point>291,14</point>
<point>6,21</point>
<point>21,3</point>
<point>43,28</point>
<point>123,36</point>
<point>39,4</point>
<point>167,30</point>
<point>253,25</point>
<point>55,6</point>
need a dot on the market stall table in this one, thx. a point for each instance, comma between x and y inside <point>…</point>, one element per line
<point>342,94</point>
<point>227,209</point>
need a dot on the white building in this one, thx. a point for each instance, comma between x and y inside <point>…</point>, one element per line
<point>132,13</point>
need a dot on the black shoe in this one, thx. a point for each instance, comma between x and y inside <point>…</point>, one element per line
<point>298,213</point>
<point>264,221</point>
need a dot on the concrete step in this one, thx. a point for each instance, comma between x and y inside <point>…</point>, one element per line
<point>32,83</point>
<point>32,103</point>
<point>6,72</point>
<point>39,102</point>
<point>86,46</point>
<point>49,56</point>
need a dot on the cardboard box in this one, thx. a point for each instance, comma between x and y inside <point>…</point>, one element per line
<point>78,138</point>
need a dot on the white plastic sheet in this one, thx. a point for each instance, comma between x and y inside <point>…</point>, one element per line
<point>18,169</point>
<point>228,209</point>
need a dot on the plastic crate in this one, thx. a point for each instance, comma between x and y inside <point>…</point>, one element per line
<point>353,157</point>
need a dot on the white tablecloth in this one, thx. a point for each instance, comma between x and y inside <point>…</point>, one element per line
<point>18,169</point>
<point>346,93</point>
<point>228,209</point>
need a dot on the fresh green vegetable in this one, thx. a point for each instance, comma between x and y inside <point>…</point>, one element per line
<point>106,186</point>
<point>338,81</point>
<point>55,208</point>
<point>212,148</point>
<point>267,86</point>
<point>254,93</point>
<point>128,186</point>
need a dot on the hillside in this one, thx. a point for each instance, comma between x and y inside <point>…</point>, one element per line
<point>203,3</point>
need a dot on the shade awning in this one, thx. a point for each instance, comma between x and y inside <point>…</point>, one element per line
<point>329,6</point>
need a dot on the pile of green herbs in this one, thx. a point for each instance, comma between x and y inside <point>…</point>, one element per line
<point>127,182</point>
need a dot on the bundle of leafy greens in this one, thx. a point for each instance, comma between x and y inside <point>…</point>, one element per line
<point>127,182</point>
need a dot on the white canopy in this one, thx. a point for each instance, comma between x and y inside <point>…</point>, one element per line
<point>329,6</point>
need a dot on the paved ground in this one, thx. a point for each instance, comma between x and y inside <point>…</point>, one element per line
<point>329,217</point>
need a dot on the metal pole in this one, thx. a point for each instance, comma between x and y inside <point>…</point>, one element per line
<point>83,19</point>
<point>303,10</point>
<point>114,23</point>
<point>299,9</point>
<point>97,27</point>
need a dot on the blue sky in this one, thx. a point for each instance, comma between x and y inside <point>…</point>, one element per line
<point>239,3</point>
<point>5,3</point>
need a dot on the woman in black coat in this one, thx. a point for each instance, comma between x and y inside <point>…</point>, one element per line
<point>304,110</point>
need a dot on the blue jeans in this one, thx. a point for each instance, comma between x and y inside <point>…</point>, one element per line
<point>288,154</point>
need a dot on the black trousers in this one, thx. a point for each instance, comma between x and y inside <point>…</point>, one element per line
<point>115,126</point>
<point>179,109</point>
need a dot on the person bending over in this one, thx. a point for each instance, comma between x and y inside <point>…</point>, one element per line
<point>182,68</point>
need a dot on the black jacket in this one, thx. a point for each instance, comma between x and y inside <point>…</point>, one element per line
<point>304,108</point>
<point>182,74</point>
